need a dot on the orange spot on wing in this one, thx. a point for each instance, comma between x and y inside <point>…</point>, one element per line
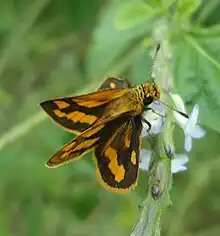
<point>93,131</point>
<point>120,173</point>
<point>111,153</point>
<point>61,104</point>
<point>59,113</point>
<point>112,156</point>
<point>117,170</point>
<point>68,147</point>
<point>86,144</point>
<point>76,116</point>
<point>89,104</point>
<point>88,119</point>
<point>127,141</point>
<point>112,85</point>
<point>107,186</point>
<point>133,158</point>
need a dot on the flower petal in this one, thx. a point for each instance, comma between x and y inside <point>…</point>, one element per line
<point>178,103</point>
<point>194,114</point>
<point>158,106</point>
<point>180,120</point>
<point>145,157</point>
<point>155,120</point>
<point>188,143</point>
<point>155,127</point>
<point>177,167</point>
<point>197,132</point>
<point>192,119</point>
<point>177,164</point>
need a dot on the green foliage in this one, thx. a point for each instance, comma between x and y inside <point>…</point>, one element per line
<point>203,70</point>
<point>57,48</point>
<point>132,13</point>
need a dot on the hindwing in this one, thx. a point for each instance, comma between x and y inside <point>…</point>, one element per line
<point>87,140</point>
<point>117,155</point>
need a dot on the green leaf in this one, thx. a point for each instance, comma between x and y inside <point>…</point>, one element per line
<point>185,8</point>
<point>139,72</point>
<point>4,96</point>
<point>131,13</point>
<point>208,13</point>
<point>197,72</point>
<point>112,48</point>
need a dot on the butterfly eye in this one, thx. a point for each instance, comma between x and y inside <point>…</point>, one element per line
<point>148,100</point>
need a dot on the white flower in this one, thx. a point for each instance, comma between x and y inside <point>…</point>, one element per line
<point>145,157</point>
<point>155,118</point>
<point>189,126</point>
<point>177,164</point>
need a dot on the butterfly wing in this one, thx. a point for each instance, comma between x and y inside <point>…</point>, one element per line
<point>84,143</point>
<point>117,146</point>
<point>117,155</point>
<point>76,148</point>
<point>78,113</point>
<point>114,83</point>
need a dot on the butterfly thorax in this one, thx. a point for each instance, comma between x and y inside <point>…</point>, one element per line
<point>132,102</point>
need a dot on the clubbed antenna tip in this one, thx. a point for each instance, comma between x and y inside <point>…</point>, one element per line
<point>158,47</point>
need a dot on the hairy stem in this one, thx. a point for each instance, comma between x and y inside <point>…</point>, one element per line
<point>160,176</point>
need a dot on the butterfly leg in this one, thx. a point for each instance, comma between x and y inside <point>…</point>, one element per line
<point>148,123</point>
<point>148,131</point>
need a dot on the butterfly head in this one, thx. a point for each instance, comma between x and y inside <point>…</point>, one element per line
<point>152,90</point>
<point>151,93</point>
<point>155,91</point>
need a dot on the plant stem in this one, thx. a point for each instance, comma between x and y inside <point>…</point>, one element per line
<point>160,176</point>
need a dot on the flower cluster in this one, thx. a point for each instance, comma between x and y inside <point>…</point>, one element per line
<point>189,126</point>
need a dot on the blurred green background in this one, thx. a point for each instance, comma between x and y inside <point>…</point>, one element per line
<point>57,48</point>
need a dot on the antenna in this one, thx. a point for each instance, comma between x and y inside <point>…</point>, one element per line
<point>172,108</point>
<point>153,62</point>
<point>150,75</point>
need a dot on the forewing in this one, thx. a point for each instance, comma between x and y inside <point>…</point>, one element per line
<point>114,83</point>
<point>76,147</point>
<point>76,114</point>
<point>117,154</point>
<point>83,143</point>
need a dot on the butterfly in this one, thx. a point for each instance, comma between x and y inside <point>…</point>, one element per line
<point>109,122</point>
